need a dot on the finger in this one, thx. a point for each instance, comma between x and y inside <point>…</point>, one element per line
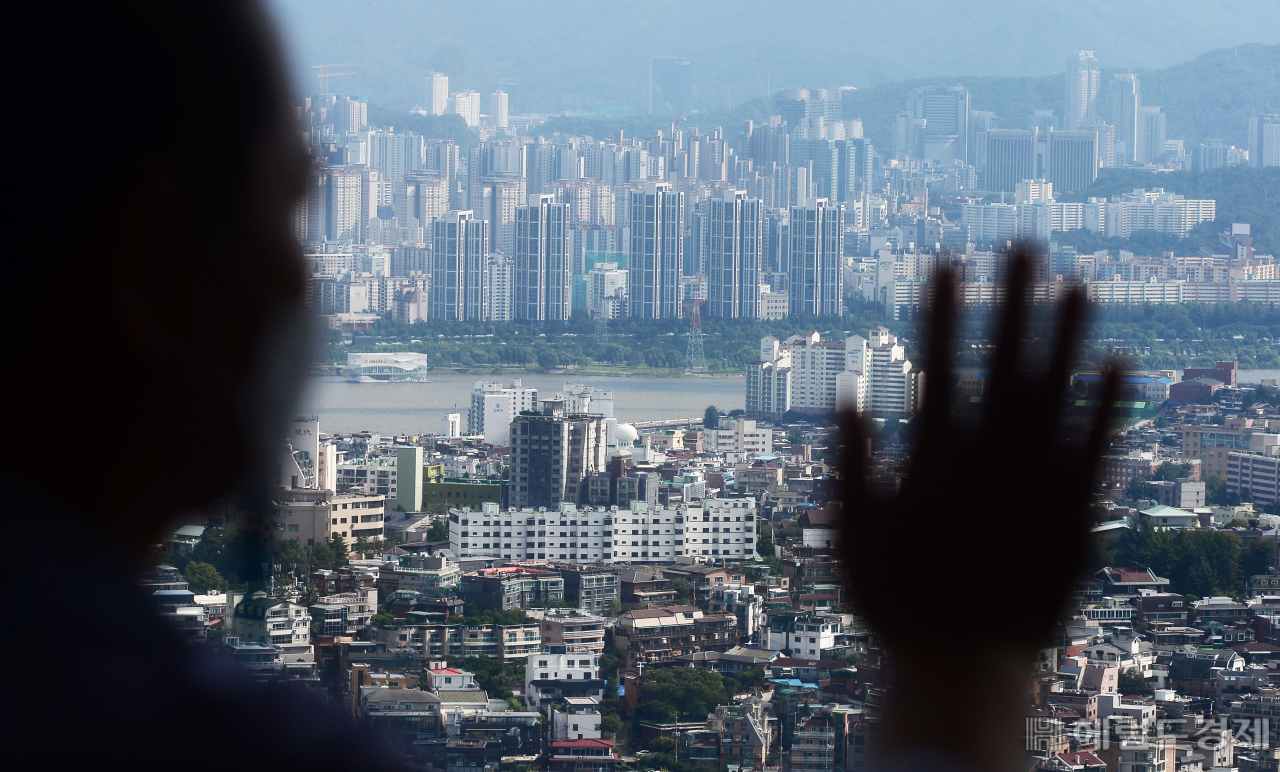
<point>1101,430</point>
<point>853,460</point>
<point>1008,347</point>
<point>1070,320</point>
<point>940,356</point>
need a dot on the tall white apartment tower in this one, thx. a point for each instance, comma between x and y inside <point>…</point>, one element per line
<point>1083,81</point>
<point>542,253</point>
<point>438,93</point>
<point>498,109</point>
<point>657,251</point>
<point>467,104</point>
<point>735,226</point>
<point>459,245</point>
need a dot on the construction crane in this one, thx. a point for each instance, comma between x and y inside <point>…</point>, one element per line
<point>324,76</point>
<point>676,118</point>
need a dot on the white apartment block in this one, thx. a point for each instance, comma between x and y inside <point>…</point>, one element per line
<point>493,406</point>
<point>467,104</point>
<point>769,380</point>
<point>739,435</point>
<point>500,287</point>
<point>572,665</point>
<point>720,528</point>
<point>859,374</point>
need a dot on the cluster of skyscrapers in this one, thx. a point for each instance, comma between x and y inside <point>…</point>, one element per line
<point>758,222</point>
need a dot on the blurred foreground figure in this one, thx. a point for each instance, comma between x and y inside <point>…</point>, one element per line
<point>996,500</point>
<point>157,336</point>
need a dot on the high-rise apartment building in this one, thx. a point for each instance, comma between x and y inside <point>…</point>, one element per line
<point>467,104</point>
<point>1124,99</point>
<point>438,93</point>
<point>498,114</point>
<point>670,85</point>
<point>1011,158</point>
<point>656,253</point>
<point>734,227</point>
<point>460,244</point>
<point>1264,140</point>
<point>542,260</point>
<point>500,285</point>
<point>945,112</point>
<point>854,160</point>
<point>495,199</point>
<point>769,381</point>
<point>553,454</point>
<point>816,257</point>
<point>1072,160</point>
<point>1084,78</point>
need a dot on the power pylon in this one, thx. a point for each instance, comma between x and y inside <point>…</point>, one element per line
<point>602,327</point>
<point>697,360</point>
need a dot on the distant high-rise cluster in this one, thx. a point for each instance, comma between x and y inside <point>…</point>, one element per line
<point>766,220</point>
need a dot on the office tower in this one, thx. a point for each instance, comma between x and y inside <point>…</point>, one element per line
<point>980,122</point>
<point>945,112</point>
<point>542,254</point>
<point>656,253</point>
<point>1011,158</point>
<point>1073,160</point>
<point>1210,154</point>
<point>1151,138</point>
<point>467,104</point>
<point>816,257</point>
<point>459,245</point>
<point>670,86</point>
<point>1264,140</point>
<point>735,225</point>
<point>438,93</point>
<point>493,406</point>
<point>908,137</point>
<point>498,109</point>
<point>825,164</point>
<point>1124,95</point>
<point>854,161</point>
<point>1106,140</point>
<point>1083,81</point>
<point>553,455</point>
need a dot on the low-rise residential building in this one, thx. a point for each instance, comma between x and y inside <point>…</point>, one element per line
<point>512,587</point>
<point>662,634</point>
<point>562,672</point>
<point>439,640</point>
<point>276,622</point>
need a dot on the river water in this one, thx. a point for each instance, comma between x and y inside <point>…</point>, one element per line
<point>417,408</point>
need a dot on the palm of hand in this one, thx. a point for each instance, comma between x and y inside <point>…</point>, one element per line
<point>993,511</point>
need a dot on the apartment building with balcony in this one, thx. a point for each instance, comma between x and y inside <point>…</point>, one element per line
<point>662,634</point>
<point>506,642</point>
<point>275,622</point>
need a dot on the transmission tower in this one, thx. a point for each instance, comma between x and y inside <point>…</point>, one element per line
<point>697,361</point>
<point>602,327</point>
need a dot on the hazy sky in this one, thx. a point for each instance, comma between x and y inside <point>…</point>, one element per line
<point>586,54</point>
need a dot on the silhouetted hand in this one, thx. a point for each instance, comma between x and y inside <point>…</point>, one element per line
<point>969,566</point>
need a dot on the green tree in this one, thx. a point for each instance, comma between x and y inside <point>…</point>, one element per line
<point>340,552</point>
<point>1172,470</point>
<point>795,435</point>
<point>439,530</point>
<point>362,545</point>
<point>203,578</point>
<point>322,555</point>
<point>691,693</point>
<point>1132,682</point>
<point>684,592</point>
<point>711,417</point>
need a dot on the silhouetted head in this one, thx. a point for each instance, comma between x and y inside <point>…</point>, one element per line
<point>156,296</point>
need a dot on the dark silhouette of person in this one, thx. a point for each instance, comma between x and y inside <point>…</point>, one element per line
<point>994,510</point>
<point>157,333</point>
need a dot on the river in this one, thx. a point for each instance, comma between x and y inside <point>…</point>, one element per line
<point>417,408</point>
